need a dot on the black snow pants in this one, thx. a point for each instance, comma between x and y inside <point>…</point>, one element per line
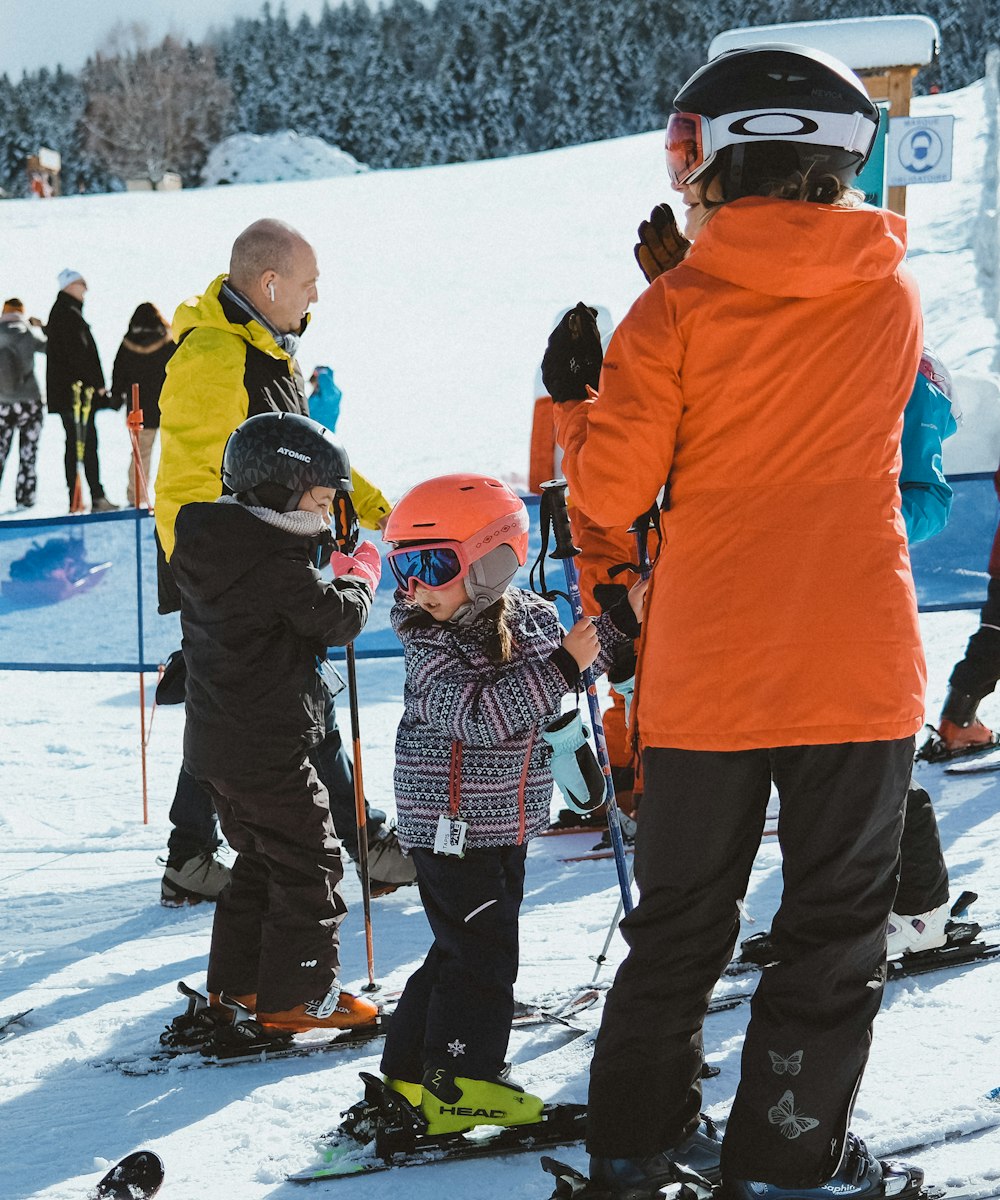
<point>192,813</point>
<point>977,673</point>
<point>276,924</point>
<point>923,876</point>
<point>91,467</point>
<point>810,1029</point>
<point>456,1009</point>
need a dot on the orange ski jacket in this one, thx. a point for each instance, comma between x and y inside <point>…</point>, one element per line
<point>764,379</point>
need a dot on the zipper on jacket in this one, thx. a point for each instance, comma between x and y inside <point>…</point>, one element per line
<point>521,819</point>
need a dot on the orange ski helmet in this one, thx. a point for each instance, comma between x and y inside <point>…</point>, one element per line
<point>470,527</point>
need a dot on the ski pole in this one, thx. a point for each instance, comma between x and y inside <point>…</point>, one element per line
<point>554,492</point>
<point>640,528</point>
<point>362,822</point>
<point>346,536</point>
<point>76,500</point>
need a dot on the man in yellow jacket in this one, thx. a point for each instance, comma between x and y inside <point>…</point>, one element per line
<point>236,358</point>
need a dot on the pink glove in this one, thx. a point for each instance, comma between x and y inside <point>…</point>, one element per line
<point>364,564</point>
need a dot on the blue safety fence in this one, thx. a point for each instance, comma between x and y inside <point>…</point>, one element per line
<point>79,593</point>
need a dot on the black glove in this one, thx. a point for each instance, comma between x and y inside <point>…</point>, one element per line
<point>661,244</point>
<point>573,357</point>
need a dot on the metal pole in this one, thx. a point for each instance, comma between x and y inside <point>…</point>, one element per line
<point>554,492</point>
<point>362,821</point>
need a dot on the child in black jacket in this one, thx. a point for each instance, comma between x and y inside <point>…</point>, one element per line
<point>257,618</point>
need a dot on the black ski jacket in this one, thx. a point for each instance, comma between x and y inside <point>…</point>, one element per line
<point>255,614</point>
<point>142,359</point>
<point>73,356</point>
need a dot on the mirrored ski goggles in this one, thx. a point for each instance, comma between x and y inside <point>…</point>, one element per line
<point>693,140</point>
<point>434,564</point>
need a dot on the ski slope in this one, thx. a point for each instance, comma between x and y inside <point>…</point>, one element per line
<point>438,290</point>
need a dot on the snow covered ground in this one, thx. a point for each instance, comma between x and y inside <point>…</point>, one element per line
<point>439,287</point>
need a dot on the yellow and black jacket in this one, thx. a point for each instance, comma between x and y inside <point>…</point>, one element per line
<point>227,367</point>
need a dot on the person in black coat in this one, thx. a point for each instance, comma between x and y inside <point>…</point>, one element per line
<point>142,359</point>
<point>73,358</point>
<point>257,617</point>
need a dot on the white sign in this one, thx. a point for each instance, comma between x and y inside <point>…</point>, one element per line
<point>919,150</point>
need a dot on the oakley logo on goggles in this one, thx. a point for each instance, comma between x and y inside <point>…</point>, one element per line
<point>436,564</point>
<point>693,140</point>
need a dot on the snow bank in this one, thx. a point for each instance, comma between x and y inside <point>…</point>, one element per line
<point>272,157</point>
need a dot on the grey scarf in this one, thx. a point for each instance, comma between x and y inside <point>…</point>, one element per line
<point>303,524</point>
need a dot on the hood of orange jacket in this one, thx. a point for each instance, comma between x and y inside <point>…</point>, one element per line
<point>811,249</point>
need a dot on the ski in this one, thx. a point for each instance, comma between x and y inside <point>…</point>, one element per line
<point>194,1040</point>
<point>571,1184</point>
<point>962,949</point>
<point>397,1143</point>
<point>574,1184</point>
<point>934,749</point>
<point>138,1176</point>
<point>7,1023</point>
<point>758,951</point>
<point>978,766</point>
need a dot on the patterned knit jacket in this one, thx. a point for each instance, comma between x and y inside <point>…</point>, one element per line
<point>470,736</point>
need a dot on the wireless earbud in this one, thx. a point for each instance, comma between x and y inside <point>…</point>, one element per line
<point>270,291</point>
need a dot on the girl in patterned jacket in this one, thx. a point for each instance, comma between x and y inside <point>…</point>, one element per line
<point>487,666</point>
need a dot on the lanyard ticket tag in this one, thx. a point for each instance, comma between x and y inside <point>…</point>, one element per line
<point>450,836</point>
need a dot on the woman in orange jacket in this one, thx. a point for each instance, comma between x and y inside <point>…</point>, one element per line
<point>764,380</point>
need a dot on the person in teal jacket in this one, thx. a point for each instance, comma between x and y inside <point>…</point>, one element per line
<point>928,420</point>
<point>921,910</point>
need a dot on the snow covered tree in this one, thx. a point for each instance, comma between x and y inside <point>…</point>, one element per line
<point>153,109</point>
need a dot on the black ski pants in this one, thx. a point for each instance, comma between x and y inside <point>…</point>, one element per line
<point>810,1028</point>
<point>923,876</point>
<point>977,673</point>
<point>192,813</point>
<point>456,1009</point>
<point>91,467</point>
<point>276,923</point>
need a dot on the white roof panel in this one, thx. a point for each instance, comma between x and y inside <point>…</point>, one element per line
<point>862,43</point>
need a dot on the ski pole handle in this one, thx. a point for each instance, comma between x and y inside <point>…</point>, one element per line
<point>555,489</point>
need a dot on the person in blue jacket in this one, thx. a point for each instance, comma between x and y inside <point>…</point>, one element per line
<point>921,910</point>
<point>929,419</point>
<point>324,399</point>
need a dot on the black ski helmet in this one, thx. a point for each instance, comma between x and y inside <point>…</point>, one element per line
<point>776,102</point>
<point>279,450</point>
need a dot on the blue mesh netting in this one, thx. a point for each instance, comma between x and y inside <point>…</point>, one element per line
<point>70,594</point>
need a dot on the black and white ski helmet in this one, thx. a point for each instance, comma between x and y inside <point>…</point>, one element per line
<point>775,94</point>
<point>286,450</point>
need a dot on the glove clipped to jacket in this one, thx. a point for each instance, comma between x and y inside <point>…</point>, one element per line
<point>364,564</point>
<point>661,245</point>
<point>573,356</point>
<point>574,765</point>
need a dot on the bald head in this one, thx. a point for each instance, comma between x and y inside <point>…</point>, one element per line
<point>274,266</point>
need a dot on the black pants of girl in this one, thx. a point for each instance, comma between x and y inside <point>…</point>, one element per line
<point>276,924</point>
<point>456,1009</point>
<point>810,1029</point>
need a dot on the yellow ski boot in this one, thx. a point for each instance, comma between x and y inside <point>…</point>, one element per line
<point>453,1104</point>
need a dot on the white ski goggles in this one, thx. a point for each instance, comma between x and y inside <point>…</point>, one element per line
<point>693,140</point>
